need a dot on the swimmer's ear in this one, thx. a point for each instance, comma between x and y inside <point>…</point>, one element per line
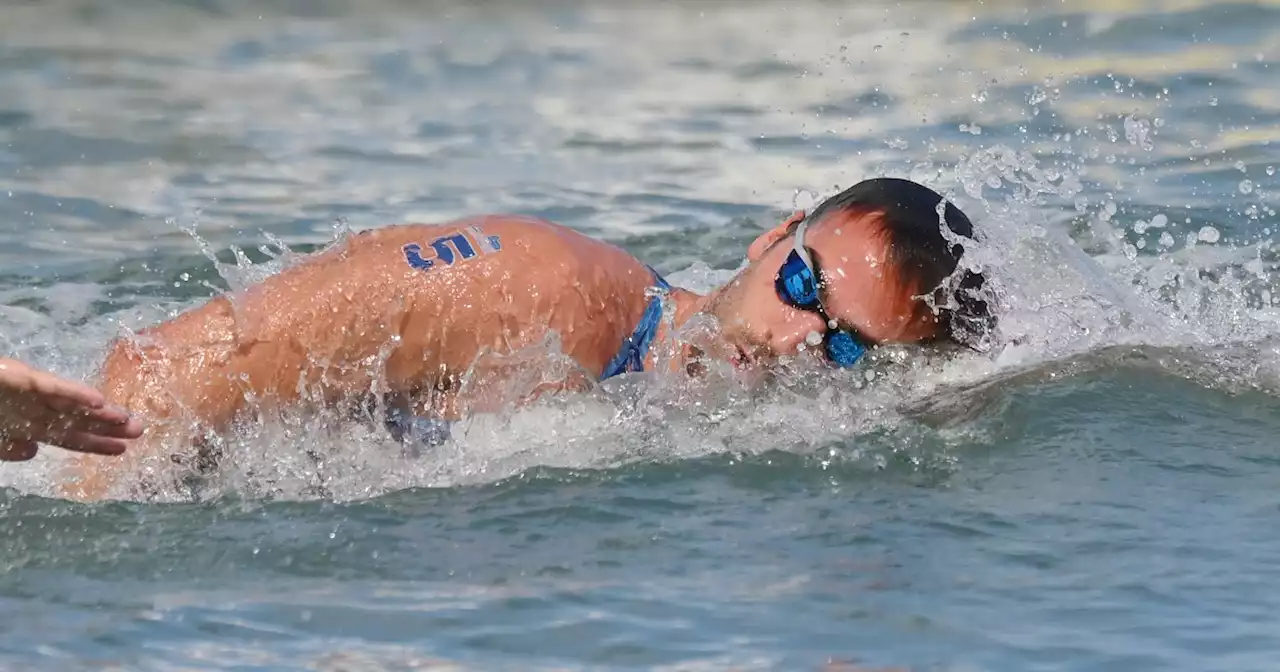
<point>771,237</point>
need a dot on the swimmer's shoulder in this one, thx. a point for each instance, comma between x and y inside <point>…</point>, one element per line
<point>499,239</point>
<point>521,231</point>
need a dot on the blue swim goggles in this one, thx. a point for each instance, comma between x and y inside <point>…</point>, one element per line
<point>799,285</point>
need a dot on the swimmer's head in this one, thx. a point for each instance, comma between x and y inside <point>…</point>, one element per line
<point>885,272</point>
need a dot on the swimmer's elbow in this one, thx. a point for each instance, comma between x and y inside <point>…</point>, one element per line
<point>129,370</point>
<point>121,363</point>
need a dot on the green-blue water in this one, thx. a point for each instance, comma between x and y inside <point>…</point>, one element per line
<point>1100,491</point>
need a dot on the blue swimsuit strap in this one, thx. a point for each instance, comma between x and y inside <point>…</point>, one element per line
<point>415,430</point>
<point>635,348</point>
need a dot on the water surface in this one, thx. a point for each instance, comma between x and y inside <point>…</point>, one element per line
<point>1097,492</point>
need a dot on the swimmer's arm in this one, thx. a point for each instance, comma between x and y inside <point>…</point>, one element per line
<point>313,330</point>
<point>362,317</point>
<point>356,318</point>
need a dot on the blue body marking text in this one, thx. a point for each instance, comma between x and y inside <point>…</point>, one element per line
<point>454,247</point>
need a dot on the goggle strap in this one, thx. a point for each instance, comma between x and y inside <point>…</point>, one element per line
<point>800,249</point>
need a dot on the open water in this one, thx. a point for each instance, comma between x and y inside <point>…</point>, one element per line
<point>1100,491</point>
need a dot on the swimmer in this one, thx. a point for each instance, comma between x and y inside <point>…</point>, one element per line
<point>38,407</point>
<point>408,313</point>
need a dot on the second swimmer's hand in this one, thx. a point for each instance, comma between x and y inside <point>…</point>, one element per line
<point>38,407</point>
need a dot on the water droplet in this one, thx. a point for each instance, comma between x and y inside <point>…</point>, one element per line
<point>803,199</point>
<point>1138,132</point>
<point>1209,234</point>
<point>814,339</point>
<point>1166,240</point>
<point>1159,222</point>
<point>1130,252</point>
<point>1271,170</point>
<point>1246,187</point>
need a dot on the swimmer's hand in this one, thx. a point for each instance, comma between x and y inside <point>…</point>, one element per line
<point>38,407</point>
